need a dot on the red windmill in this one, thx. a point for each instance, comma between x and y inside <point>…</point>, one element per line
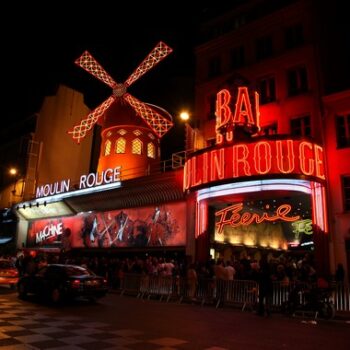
<point>154,120</point>
<point>131,129</point>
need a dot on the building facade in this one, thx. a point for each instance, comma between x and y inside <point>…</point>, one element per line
<point>276,49</point>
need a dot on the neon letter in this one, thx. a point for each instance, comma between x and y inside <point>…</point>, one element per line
<point>309,169</point>
<point>217,164</point>
<point>262,156</point>
<point>243,110</point>
<point>236,159</point>
<point>282,158</point>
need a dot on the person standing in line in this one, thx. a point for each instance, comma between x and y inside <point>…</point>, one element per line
<point>265,286</point>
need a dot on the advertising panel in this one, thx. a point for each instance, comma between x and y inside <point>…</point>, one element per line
<point>163,225</point>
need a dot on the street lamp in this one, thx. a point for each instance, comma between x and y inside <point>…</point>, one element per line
<point>14,172</point>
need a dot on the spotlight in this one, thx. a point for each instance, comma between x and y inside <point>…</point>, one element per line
<point>24,206</point>
<point>45,203</point>
<point>30,205</point>
<point>37,204</point>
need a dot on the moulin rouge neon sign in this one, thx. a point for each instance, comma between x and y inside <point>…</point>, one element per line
<point>238,159</point>
<point>234,217</point>
<point>86,181</point>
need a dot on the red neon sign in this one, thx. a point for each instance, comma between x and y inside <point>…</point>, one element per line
<point>267,157</point>
<point>232,216</point>
<point>246,113</point>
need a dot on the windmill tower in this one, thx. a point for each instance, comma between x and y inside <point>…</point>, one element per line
<point>131,129</point>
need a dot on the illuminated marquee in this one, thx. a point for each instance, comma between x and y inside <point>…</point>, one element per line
<point>254,159</point>
<point>86,181</point>
<point>234,217</point>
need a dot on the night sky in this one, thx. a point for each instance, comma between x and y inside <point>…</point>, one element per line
<point>39,49</point>
<point>40,42</point>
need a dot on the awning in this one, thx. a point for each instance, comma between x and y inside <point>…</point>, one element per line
<point>4,240</point>
<point>143,191</point>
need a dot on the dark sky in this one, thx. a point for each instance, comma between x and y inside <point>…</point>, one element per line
<point>39,47</point>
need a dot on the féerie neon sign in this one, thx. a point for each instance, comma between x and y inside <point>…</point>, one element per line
<point>234,217</point>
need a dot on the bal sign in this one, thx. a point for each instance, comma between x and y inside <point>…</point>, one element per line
<point>234,159</point>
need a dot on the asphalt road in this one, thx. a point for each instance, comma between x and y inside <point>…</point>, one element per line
<point>153,324</point>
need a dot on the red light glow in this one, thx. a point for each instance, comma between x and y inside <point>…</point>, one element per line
<point>156,121</point>
<point>232,216</point>
<point>255,159</point>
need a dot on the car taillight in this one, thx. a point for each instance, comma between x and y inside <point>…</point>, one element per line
<point>104,281</point>
<point>75,283</point>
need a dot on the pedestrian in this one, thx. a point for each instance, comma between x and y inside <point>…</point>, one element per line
<point>265,287</point>
<point>340,274</point>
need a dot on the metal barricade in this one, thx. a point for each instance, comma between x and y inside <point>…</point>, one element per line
<point>341,297</point>
<point>130,284</point>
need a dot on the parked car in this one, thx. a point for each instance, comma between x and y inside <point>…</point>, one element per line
<point>55,282</point>
<point>8,273</point>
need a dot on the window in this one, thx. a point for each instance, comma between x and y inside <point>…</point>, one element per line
<point>122,132</point>
<point>214,68</point>
<point>297,81</point>
<point>294,36</point>
<point>237,57</point>
<point>301,126</point>
<point>212,107</point>
<point>267,90</point>
<point>269,129</point>
<point>137,132</point>
<point>120,145</point>
<point>151,150</point>
<point>263,47</point>
<point>343,130</point>
<point>107,151</point>
<point>346,192</point>
<point>136,147</point>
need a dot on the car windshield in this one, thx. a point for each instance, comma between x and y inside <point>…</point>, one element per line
<point>77,271</point>
<point>6,264</point>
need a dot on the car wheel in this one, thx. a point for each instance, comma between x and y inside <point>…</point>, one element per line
<point>22,291</point>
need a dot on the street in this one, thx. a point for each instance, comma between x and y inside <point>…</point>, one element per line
<point>125,322</point>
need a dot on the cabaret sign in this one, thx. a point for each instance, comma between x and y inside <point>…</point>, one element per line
<point>86,181</point>
<point>233,159</point>
<point>246,113</point>
<point>234,217</point>
<point>287,157</point>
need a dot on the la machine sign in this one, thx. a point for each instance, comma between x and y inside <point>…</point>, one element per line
<point>232,158</point>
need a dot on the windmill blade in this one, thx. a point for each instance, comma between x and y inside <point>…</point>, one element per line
<point>154,57</point>
<point>79,131</point>
<point>87,62</point>
<point>157,122</point>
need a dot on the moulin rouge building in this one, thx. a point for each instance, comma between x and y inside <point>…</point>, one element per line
<point>245,192</point>
<point>255,193</point>
<point>267,171</point>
